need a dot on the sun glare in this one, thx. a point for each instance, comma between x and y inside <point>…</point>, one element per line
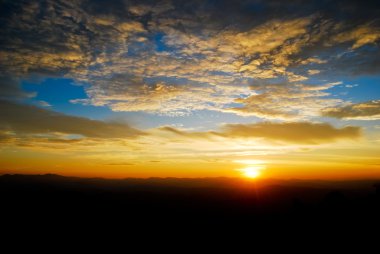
<point>253,168</point>
<point>252,171</point>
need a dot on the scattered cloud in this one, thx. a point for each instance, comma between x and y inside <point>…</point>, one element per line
<point>359,36</point>
<point>285,100</point>
<point>313,72</point>
<point>168,58</point>
<point>44,104</point>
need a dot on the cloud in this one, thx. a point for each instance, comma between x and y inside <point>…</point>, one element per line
<point>43,103</point>
<point>166,57</point>
<point>360,36</point>
<point>369,110</point>
<point>10,88</point>
<point>60,38</point>
<point>32,120</point>
<point>293,132</point>
<point>313,72</point>
<point>285,100</point>
<point>187,134</point>
<point>123,92</point>
<point>259,39</point>
<point>288,132</point>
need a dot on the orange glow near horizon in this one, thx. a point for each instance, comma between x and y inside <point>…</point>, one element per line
<point>302,165</point>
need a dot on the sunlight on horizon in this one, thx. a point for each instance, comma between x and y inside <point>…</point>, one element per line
<point>253,169</point>
<point>252,172</point>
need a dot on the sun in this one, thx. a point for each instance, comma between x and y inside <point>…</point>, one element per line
<point>253,168</point>
<point>252,171</point>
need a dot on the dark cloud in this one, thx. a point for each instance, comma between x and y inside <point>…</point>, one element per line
<point>10,89</point>
<point>28,119</point>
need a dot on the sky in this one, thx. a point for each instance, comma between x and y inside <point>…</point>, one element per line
<point>250,88</point>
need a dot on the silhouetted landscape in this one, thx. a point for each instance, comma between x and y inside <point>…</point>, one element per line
<point>51,201</point>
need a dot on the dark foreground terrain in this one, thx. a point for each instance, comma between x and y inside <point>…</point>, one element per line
<point>52,202</point>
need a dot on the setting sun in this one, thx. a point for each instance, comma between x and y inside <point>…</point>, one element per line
<point>252,171</point>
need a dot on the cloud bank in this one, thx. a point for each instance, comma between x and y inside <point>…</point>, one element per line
<point>176,57</point>
<point>289,132</point>
<point>31,120</point>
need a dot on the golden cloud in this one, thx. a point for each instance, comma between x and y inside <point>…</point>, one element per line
<point>293,132</point>
<point>285,100</point>
<point>360,36</point>
<point>288,132</point>
<point>369,110</point>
